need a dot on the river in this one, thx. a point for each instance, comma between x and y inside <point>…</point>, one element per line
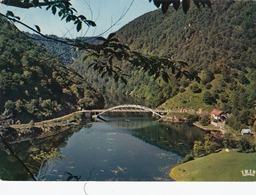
<point>131,149</point>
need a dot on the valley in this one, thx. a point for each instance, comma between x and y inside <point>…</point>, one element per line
<point>46,85</point>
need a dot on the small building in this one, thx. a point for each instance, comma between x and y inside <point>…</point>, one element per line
<point>216,115</point>
<point>246,131</point>
<point>218,118</point>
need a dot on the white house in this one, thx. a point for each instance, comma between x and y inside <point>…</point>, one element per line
<point>246,131</point>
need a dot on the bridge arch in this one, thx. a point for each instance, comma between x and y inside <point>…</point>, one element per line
<point>130,106</point>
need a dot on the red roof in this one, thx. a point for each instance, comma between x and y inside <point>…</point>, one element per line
<point>216,112</point>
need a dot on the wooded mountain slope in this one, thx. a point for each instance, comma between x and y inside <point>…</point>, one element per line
<point>220,44</point>
<point>33,84</point>
<point>65,53</point>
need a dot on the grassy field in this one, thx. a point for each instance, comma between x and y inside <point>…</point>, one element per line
<point>222,166</point>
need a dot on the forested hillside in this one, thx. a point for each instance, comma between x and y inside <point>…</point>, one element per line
<point>64,52</point>
<point>220,44</point>
<point>34,85</point>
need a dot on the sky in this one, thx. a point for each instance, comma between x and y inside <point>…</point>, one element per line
<point>104,12</point>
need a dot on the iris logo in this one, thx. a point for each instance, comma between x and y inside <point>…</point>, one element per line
<point>248,172</point>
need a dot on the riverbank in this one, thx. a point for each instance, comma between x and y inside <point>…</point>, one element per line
<point>209,127</point>
<point>40,130</point>
<point>227,165</point>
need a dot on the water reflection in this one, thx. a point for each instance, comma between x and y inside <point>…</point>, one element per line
<point>11,168</point>
<point>120,150</point>
<point>176,137</point>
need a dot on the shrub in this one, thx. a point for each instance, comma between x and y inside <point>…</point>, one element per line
<point>195,88</point>
<point>198,149</point>
<point>205,120</point>
<point>192,117</point>
<point>187,158</point>
<point>208,98</point>
<point>9,105</point>
<point>208,86</point>
<point>246,144</point>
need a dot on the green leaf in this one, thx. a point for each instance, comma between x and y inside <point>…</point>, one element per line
<point>208,2</point>
<point>165,77</point>
<point>203,3</point>
<point>82,17</point>
<point>176,4</point>
<point>115,40</point>
<point>182,63</point>
<point>173,70</point>
<point>116,77</point>
<point>10,13</point>
<point>197,3</point>
<point>54,10</point>
<point>90,23</point>
<point>68,18</point>
<point>110,73</point>
<point>126,47</point>
<point>157,3</point>
<point>60,13</point>
<point>103,74</point>
<point>111,35</point>
<point>48,7</point>
<point>178,75</point>
<point>165,6</point>
<point>85,57</point>
<point>110,60</point>
<point>185,5</point>
<point>79,26</point>
<point>101,39</point>
<point>119,56</point>
<point>38,28</point>
<point>123,79</point>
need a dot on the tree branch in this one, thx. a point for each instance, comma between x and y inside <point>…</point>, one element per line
<point>121,17</point>
<point>37,32</point>
<point>26,4</point>
<point>17,157</point>
<point>108,49</point>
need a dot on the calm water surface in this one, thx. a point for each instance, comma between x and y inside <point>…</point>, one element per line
<point>120,150</point>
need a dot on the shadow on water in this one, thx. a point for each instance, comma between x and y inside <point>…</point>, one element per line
<point>175,137</point>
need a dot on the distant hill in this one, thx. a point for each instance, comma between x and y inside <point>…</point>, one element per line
<point>65,53</point>
<point>34,85</point>
<point>220,44</point>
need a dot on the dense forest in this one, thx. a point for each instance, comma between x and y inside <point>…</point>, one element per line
<point>34,85</point>
<point>218,43</point>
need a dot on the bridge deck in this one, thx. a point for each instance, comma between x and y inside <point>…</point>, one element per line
<point>121,110</point>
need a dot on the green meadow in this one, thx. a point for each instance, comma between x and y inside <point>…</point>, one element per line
<point>222,166</point>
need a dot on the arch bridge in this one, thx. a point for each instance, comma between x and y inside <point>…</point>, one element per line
<point>128,108</point>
